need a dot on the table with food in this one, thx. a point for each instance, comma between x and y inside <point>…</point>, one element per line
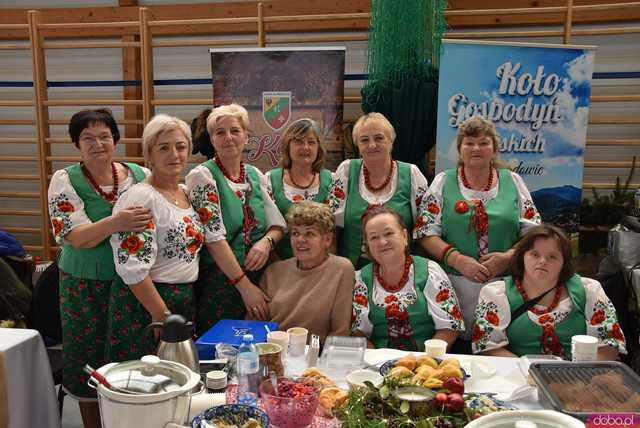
<point>351,386</point>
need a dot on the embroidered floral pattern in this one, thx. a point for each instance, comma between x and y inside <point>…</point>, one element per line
<point>138,245</point>
<point>486,316</point>
<point>448,302</point>
<point>185,240</point>
<point>360,303</point>
<point>428,211</point>
<point>604,318</point>
<point>529,211</point>
<point>206,202</point>
<point>336,194</point>
<point>60,210</point>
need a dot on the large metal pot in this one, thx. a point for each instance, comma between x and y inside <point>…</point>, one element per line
<point>150,391</point>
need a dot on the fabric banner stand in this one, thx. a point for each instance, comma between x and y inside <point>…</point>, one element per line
<point>538,97</point>
<point>278,86</point>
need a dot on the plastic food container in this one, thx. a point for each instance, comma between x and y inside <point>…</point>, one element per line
<point>289,412</point>
<point>581,389</point>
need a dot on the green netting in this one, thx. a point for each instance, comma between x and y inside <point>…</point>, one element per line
<point>404,42</point>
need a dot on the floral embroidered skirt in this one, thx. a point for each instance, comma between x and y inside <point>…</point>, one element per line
<point>128,318</point>
<point>83,311</point>
<point>216,299</point>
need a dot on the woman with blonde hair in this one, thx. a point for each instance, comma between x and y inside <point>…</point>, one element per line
<point>474,215</point>
<point>313,288</point>
<point>360,185</point>
<point>301,175</point>
<point>242,223</point>
<point>158,265</point>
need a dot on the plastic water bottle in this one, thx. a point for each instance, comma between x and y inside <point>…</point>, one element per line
<point>247,369</point>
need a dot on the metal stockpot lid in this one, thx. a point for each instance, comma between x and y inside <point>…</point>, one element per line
<point>149,375</point>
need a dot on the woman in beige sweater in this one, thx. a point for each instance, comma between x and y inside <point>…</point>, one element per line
<point>312,289</point>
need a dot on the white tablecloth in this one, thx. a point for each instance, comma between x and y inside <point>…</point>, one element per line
<point>497,375</point>
<point>32,398</point>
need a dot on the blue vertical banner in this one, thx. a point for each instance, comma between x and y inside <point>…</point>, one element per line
<point>538,97</point>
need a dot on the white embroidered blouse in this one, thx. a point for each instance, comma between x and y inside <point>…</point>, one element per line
<point>293,193</point>
<point>66,208</point>
<point>493,316</point>
<point>204,196</point>
<point>167,250</point>
<point>340,183</point>
<point>438,292</point>
<point>429,222</point>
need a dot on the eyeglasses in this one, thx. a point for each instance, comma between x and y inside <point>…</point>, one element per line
<point>301,142</point>
<point>90,139</point>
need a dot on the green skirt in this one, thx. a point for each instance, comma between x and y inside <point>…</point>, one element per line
<point>83,312</point>
<point>128,318</point>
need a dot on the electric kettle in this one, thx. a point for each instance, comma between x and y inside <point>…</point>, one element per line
<point>176,343</point>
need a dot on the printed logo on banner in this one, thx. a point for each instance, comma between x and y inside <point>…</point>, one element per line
<point>276,109</point>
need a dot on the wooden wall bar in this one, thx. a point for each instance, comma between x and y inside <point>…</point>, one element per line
<point>253,23</point>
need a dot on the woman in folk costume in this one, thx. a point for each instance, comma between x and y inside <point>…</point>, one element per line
<point>360,185</point>
<point>400,300</point>
<point>474,215</point>
<point>302,175</point>
<point>81,199</point>
<point>157,266</point>
<point>242,224</point>
<point>543,303</point>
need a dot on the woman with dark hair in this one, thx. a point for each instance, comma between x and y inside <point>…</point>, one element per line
<point>474,215</point>
<point>399,300</point>
<point>544,303</point>
<point>302,175</point>
<point>242,224</point>
<point>81,199</point>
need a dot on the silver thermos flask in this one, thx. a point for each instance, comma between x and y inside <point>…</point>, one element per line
<point>176,343</point>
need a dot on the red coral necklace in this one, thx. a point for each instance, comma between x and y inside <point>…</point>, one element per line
<point>238,180</point>
<point>403,280</point>
<point>109,197</point>
<point>551,307</point>
<point>466,184</point>
<point>367,178</point>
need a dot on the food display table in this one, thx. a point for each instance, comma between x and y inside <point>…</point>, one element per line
<point>496,375</point>
<point>25,377</point>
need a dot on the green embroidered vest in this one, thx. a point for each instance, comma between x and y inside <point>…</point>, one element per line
<point>356,206</point>
<point>524,334</point>
<point>233,215</point>
<point>503,212</point>
<point>284,246</point>
<point>420,319</point>
<point>97,262</point>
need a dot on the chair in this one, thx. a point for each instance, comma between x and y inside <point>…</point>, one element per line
<point>46,319</point>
